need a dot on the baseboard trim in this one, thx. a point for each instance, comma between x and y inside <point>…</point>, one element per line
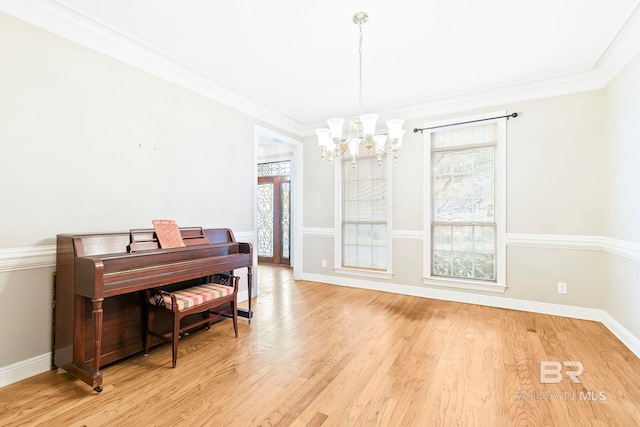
<point>627,338</point>
<point>25,369</point>
<point>244,295</point>
<point>39,364</point>
<point>464,297</point>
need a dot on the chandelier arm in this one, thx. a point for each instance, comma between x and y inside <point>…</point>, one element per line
<point>342,148</point>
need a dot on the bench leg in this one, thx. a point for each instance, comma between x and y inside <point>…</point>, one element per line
<point>234,309</point>
<point>176,336</point>
<point>147,335</point>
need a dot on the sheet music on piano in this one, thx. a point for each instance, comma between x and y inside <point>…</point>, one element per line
<point>168,233</point>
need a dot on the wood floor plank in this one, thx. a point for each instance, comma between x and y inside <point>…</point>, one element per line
<point>323,355</point>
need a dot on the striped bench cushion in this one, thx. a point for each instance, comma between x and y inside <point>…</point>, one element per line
<point>193,296</point>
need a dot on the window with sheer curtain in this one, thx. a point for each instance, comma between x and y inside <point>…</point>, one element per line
<point>365,214</point>
<point>465,211</point>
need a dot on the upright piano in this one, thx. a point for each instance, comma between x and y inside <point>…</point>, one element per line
<point>99,302</point>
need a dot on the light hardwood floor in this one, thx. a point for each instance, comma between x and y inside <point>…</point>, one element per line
<point>317,354</point>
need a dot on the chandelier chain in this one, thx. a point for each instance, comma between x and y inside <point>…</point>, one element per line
<point>360,76</point>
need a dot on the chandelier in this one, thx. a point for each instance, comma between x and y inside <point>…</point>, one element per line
<point>361,128</point>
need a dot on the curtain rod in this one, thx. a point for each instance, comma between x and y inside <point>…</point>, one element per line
<point>416,130</point>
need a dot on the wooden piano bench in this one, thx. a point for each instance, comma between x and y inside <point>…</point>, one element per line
<point>203,299</point>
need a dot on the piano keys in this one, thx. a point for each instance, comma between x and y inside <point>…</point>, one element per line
<point>99,301</point>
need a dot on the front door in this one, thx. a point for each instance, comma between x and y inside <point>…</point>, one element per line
<point>274,203</point>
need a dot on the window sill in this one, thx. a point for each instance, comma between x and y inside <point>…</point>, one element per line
<point>465,284</point>
<point>372,274</point>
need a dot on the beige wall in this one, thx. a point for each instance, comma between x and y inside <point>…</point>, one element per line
<point>107,147</point>
<point>621,196</point>
<point>554,174</point>
<point>89,144</point>
<point>554,165</point>
<point>318,191</point>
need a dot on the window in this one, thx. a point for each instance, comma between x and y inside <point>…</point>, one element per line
<point>363,217</point>
<point>465,204</point>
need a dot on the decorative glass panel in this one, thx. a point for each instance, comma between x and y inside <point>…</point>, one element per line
<point>284,224</point>
<point>265,220</point>
<point>275,168</point>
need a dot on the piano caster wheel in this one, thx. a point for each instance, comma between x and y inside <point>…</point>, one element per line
<point>98,389</point>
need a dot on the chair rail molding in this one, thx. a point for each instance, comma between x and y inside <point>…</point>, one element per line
<point>557,241</point>
<point>25,258</point>
<point>623,248</point>
<point>28,257</point>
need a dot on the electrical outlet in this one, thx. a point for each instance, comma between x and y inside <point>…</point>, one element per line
<point>324,262</point>
<point>562,288</point>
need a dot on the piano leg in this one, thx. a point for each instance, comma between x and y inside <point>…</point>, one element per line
<point>247,312</point>
<point>97,324</point>
<point>249,290</point>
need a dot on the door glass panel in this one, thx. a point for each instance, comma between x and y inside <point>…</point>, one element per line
<point>284,223</point>
<point>265,220</point>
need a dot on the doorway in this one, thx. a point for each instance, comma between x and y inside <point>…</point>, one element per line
<point>272,147</point>
<point>274,212</point>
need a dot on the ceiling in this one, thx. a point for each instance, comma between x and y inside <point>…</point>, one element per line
<point>295,63</point>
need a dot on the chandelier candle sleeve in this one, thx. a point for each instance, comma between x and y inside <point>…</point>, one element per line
<point>368,124</point>
<point>361,129</point>
<point>335,126</point>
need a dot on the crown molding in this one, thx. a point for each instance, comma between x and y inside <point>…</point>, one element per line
<point>52,16</point>
<point>545,88</point>
<point>70,24</point>
<point>622,49</point>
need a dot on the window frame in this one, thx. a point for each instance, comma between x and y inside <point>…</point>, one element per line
<point>500,205</point>
<point>338,223</point>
